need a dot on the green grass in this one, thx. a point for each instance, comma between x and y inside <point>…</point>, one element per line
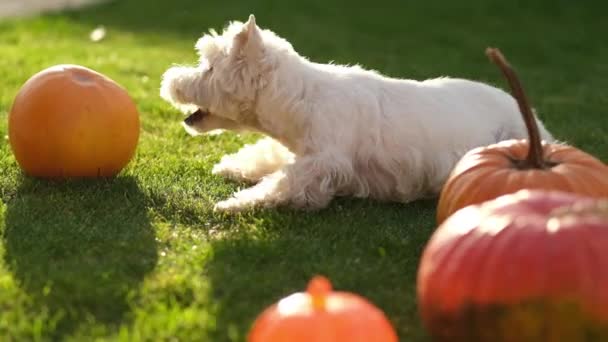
<point>143,257</point>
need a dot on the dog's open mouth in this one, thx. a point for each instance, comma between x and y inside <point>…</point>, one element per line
<point>196,117</point>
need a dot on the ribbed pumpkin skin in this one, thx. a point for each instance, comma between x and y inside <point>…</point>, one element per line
<point>342,316</point>
<point>351,319</point>
<point>489,172</point>
<point>70,121</point>
<point>513,269</point>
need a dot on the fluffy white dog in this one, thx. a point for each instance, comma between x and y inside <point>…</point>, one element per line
<point>331,130</point>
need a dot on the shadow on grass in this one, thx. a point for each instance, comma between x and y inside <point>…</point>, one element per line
<point>368,248</point>
<point>79,249</point>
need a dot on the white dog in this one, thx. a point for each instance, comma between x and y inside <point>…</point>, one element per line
<point>331,130</point>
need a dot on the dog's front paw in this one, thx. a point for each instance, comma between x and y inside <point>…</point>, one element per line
<point>230,168</point>
<point>227,168</point>
<point>230,206</point>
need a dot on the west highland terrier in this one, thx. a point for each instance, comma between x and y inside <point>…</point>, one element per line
<point>331,130</point>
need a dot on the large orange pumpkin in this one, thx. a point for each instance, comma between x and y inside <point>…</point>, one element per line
<point>487,172</point>
<point>528,266</point>
<point>71,121</point>
<point>322,315</point>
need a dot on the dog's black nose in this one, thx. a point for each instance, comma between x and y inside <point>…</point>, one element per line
<point>195,117</point>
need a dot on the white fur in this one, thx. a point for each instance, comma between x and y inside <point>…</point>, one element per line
<point>333,130</point>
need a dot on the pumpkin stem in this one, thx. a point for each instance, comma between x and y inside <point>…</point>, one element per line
<point>318,289</point>
<point>535,150</point>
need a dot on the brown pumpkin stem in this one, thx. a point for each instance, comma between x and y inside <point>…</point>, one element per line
<point>319,288</point>
<point>535,150</point>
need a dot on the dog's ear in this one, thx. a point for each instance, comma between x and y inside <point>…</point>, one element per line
<point>248,42</point>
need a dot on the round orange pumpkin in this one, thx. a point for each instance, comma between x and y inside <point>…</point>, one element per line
<point>322,315</point>
<point>528,266</point>
<point>71,121</point>
<point>488,172</point>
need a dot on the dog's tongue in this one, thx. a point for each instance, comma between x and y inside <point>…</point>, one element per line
<point>195,117</point>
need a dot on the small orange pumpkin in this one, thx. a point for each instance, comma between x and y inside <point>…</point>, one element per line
<point>527,266</point>
<point>322,315</point>
<point>71,121</point>
<point>487,172</point>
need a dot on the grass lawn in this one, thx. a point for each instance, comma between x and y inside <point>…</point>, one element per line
<point>143,256</point>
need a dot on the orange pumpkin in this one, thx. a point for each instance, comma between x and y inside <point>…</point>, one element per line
<point>70,121</point>
<point>487,172</point>
<point>528,266</point>
<point>322,315</point>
